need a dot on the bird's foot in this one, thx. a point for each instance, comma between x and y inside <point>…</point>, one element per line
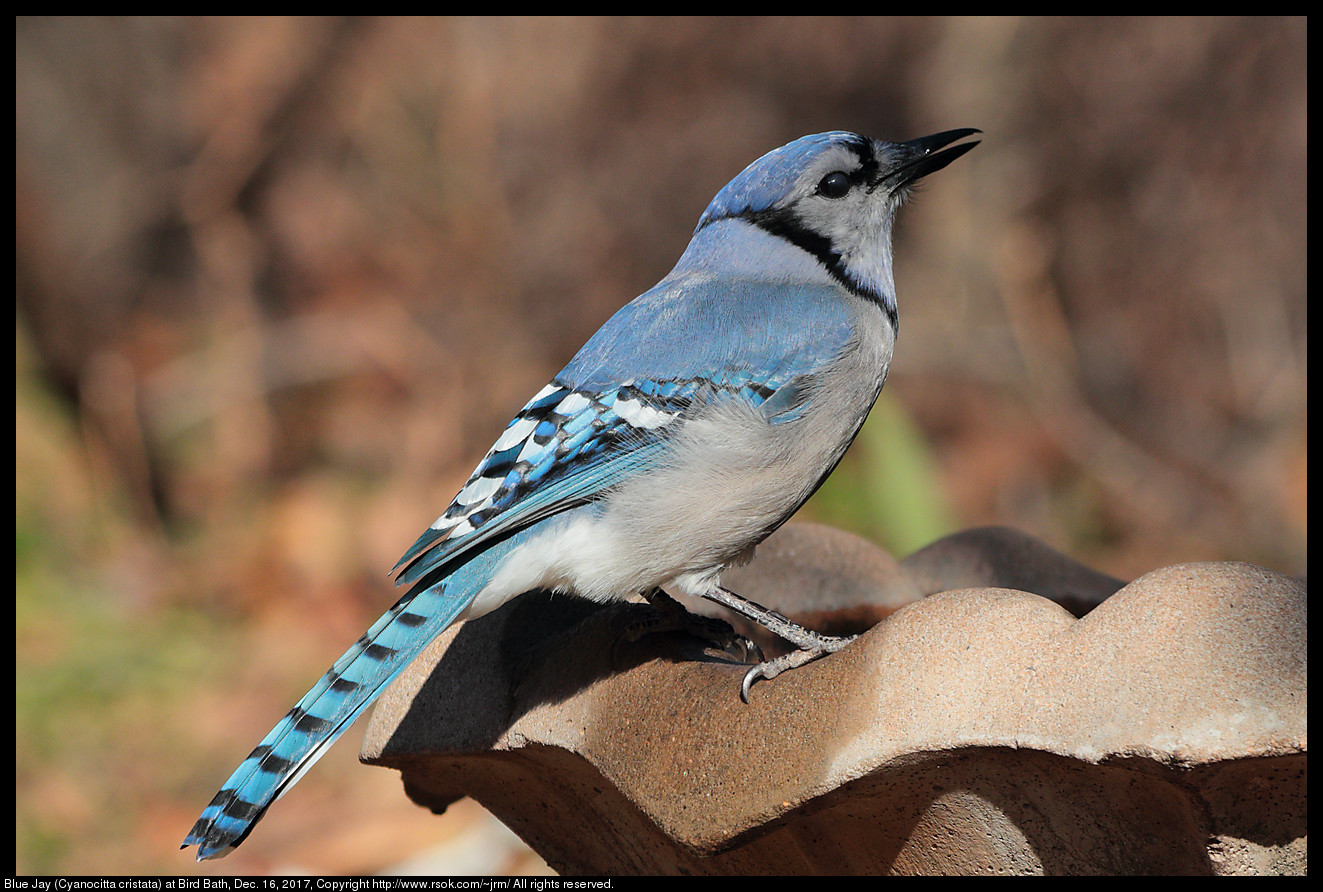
<point>671,616</point>
<point>770,669</point>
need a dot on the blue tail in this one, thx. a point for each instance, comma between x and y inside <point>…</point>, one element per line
<point>325,712</point>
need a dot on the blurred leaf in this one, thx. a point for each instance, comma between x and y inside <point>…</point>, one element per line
<point>887,488</point>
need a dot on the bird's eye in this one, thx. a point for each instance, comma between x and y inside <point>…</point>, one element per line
<point>834,185</point>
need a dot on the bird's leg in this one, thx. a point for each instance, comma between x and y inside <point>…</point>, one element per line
<point>673,617</point>
<point>811,645</point>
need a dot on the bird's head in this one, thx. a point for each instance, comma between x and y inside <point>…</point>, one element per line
<point>834,195</point>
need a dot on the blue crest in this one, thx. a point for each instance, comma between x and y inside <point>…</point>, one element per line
<point>765,182</point>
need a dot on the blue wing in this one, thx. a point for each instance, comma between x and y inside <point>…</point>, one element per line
<point>607,415</point>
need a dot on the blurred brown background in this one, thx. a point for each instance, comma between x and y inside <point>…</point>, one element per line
<point>280,282</point>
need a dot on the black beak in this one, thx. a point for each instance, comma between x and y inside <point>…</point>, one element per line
<point>920,157</point>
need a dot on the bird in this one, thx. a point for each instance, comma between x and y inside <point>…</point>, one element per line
<point>694,423</point>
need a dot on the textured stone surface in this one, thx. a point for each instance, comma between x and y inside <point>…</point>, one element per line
<point>980,730</point>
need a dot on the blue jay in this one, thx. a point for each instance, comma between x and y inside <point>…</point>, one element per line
<point>687,429</point>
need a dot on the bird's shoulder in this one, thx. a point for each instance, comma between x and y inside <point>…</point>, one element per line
<point>698,327</point>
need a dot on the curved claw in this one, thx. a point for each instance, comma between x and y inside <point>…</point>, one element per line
<point>770,669</point>
<point>749,678</point>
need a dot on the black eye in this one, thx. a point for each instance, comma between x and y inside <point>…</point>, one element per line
<point>834,185</point>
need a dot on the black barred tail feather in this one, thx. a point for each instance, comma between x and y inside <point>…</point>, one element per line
<point>325,712</point>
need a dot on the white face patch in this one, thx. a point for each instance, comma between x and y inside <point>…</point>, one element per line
<point>856,225</point>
